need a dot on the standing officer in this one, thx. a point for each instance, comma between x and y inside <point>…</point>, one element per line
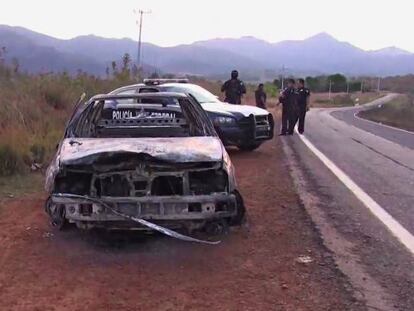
<point>234,89</point>
<point>260,96</point>
<point>303,96</point>
<point>288,100</point>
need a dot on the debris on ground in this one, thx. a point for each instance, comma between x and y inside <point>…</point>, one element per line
<point>304,259</point>
<point>35,167</point>
<point>48,235</point>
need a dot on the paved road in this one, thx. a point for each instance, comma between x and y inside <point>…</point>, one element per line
<point>350,116</point>
<point>380,160</point>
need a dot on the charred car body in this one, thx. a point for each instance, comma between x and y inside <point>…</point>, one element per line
<point>244,126</point>
<point>153,157</point>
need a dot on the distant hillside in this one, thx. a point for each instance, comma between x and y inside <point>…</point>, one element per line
<point>256,58</point>
<point>35,57</point>
<point>321,53</point>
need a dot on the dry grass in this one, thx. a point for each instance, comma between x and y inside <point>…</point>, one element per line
<point>321,100</point>
<point>33,113</point>
<point>18,185</point>
<point>399,113</point>
<point>35,109</point>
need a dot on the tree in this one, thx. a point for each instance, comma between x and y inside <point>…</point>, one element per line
<point>338,82</point>
<point>354,86</point>
<point>154,75</point>
<point>276,82</point>
<point>123,76</point>
<point>168,76</point>
<point>16,65</point>
<point>126,60</point>
<point>317,84</point>
<point>114,69</point>
<point>3,52</point>
<point>135,72</point>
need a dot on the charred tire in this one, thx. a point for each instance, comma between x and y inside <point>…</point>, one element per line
<point>57,214</point>
<point>249,147</point>
<point>240,217</point>
<point>215,228</point>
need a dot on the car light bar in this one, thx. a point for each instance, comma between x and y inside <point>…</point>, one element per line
<point>162,81</point>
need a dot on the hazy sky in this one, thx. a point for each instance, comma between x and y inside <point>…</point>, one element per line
<point>367,24</point>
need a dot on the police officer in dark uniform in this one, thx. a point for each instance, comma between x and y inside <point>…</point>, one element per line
<point>303,96</point>
<point>260,96</point>
<point>234,89</point>
<point>289,106</point>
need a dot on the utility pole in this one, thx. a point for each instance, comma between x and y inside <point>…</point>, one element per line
<point>140,14</point>
<point>362,86</point>
<point>347,87</point>
<point>379,85</point>
<point>283,77</point>
<point>330,89</point>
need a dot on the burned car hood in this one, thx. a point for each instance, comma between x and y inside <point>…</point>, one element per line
<point>245,110</point>
<point>178,150</point>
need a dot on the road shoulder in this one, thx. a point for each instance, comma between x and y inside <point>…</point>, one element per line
<point>378,267</point>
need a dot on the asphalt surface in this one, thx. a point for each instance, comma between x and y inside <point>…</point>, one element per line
<point>380,160</point>
<point>384,168</point>
<point>350,116</point>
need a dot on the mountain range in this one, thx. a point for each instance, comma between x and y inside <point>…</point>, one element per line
<point>255,58</point>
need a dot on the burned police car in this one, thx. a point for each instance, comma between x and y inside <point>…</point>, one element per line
<point>244,126</point>
<point>148,161</point>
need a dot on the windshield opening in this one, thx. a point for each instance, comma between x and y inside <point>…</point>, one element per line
<point>142,117</point>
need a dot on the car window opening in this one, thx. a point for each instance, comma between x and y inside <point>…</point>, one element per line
<point>141,117</point>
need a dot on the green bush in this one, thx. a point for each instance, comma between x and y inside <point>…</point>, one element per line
<point>55,95</point>
<point>271,90</point>
<point>38,153</point>
<point>9,161</point>
<point>322,101</point>
<point>342,100</point>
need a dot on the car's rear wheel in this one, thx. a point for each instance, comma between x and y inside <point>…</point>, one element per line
<point>249,147</point>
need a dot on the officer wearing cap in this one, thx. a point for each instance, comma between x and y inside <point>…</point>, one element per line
<point>233,89</point>
<point>303,96</point>
<point>288,100</point>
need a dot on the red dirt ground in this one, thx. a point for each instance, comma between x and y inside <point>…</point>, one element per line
<point>254,267</point>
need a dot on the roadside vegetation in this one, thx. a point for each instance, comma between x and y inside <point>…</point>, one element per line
<point>322,100</point>
<point>35,108</point>
<point>20,184</point>
<point>398,113</point>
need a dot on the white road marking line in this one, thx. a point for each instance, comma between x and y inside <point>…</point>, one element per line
<point>402,234</point>
<point>380,124</point>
